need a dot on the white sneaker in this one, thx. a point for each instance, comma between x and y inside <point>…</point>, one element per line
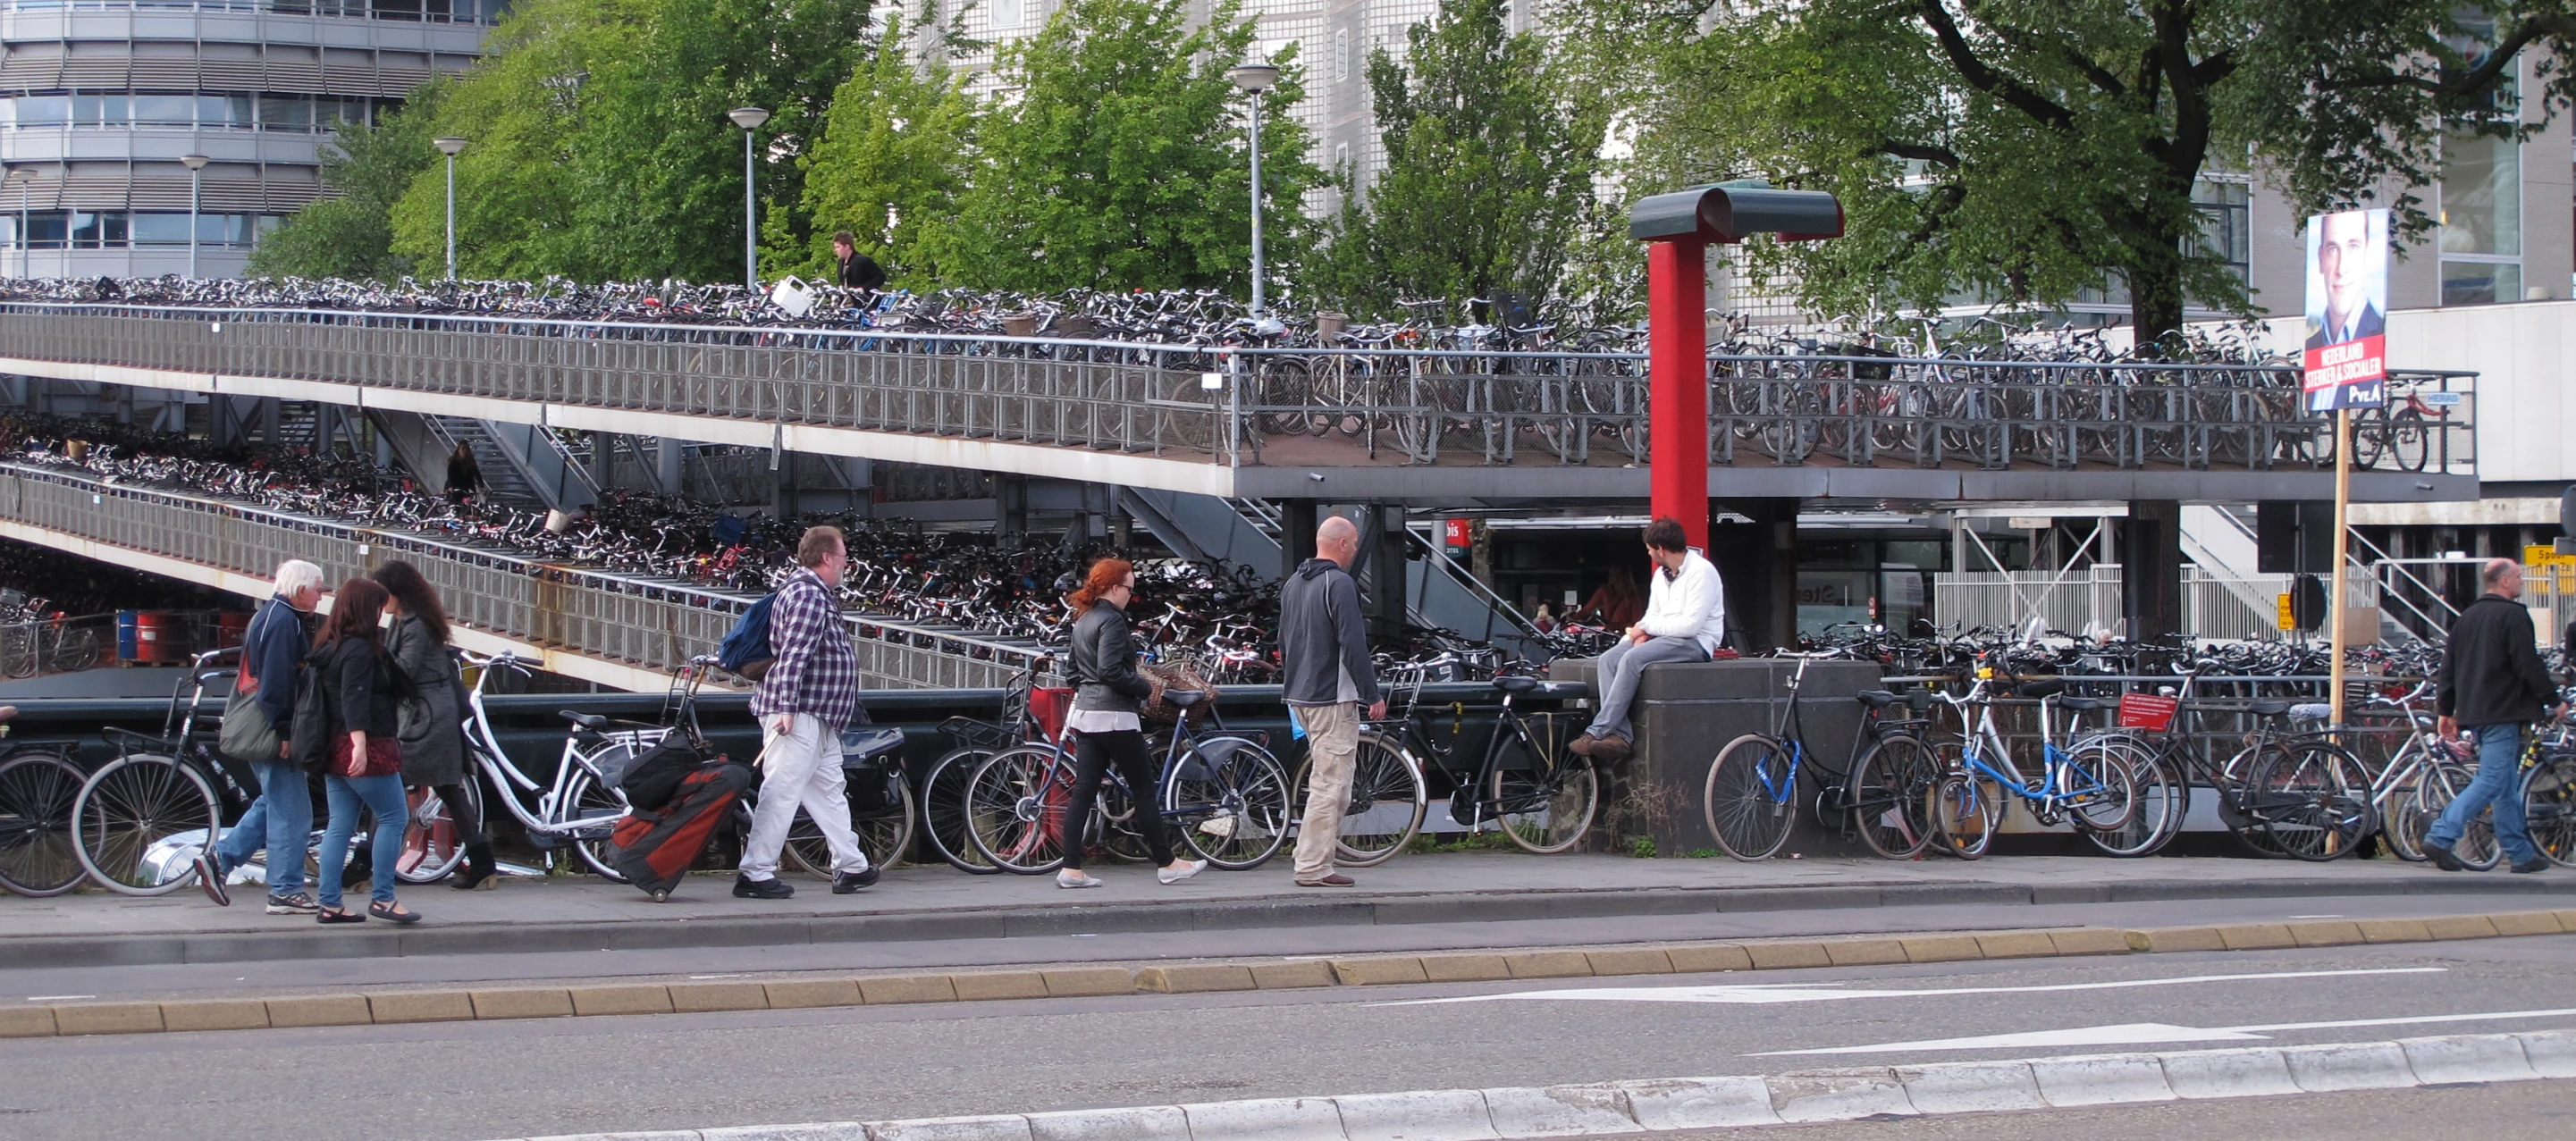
<point>1167,875</point>
<point>1071,878</point>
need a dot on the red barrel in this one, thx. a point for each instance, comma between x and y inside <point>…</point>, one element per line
<point>230,626</point>
<point>160,636</point>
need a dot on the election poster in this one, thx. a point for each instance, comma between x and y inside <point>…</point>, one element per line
<point>2346,364</point>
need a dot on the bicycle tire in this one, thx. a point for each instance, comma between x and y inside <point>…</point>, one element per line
<point>1561,803</point>
<point>884,837</point>
<point>1244,785</point>
<point>127,810</point>
<point>2401,820</point>
<point>1748,800</point>
<point>2410,440</point>
<point>2548,792</point>
<point>2164,800</point>
<point>1384,780</point>
<point>943,811</point>
<point>2312,800</point>
<point>432,849</point>
<point>584,799</point>
<point>1966,815</point>
<point>2443,783</point>
<point>37,855</point>
<point>2112,802</point>
<point>1890,796</point>
<point>1005,818</point>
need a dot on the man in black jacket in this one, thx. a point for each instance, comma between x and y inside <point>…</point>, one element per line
<point>1326,677</point>
<point>2492,682</point>
<point>852,269</point>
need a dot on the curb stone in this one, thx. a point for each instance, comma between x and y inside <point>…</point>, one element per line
<point>983,984</point>
<point>1667,1104</point>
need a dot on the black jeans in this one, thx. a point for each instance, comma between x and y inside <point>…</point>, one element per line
<point>1093,753</point>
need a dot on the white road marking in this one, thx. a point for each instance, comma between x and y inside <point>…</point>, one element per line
<point>1757,993</point>
<point>2153,1033</point>
<point>57,997</point>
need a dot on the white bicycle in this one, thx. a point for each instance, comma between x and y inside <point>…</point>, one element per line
<point>577,810</point>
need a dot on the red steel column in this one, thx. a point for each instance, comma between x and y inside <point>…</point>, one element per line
<point>1677,362</point>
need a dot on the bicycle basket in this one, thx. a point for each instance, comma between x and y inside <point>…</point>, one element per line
<point>2151,712</point>
<point>1049,705</point>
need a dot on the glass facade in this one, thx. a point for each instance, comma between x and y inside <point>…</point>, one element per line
<point>297,114</point>
<point>129,229</point>
<point>2481,221</point>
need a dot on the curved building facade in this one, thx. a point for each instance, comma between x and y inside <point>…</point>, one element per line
<point>100,99</point>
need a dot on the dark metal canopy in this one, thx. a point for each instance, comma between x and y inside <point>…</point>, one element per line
<point>1727,214</point>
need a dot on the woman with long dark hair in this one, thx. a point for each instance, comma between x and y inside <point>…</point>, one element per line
<point>361,691</point>
<point>430,726</point>
<point>1104,724</point>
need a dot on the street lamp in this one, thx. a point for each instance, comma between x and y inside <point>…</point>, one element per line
<point>449,145</point>
<point>749,119</point>
<point>196,165</point>
<point>1255,77</point>
<point>25,177</point>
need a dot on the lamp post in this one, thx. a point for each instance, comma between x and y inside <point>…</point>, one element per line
<point>1255,77</point>
<point>749,119</point>
<point>196,165</point>
<point>448,145</point>
<point>25,177</point>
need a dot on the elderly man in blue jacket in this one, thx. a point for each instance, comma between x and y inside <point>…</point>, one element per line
<point>281,820</point>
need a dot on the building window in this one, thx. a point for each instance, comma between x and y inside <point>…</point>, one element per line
<point>299,114</point>
<point>1341,54</point>
<point>2481,220</point>
<point>2226,223</point>
<point>1006,14</point>
<point>121,229</point>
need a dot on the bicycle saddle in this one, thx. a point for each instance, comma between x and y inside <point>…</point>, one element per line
<point>1184,698</point>
<point>2268,708</point>
<point>1876,698</point>
<point>2043,687</point>
<point>2083,704</point>
<point>591,721</point>
<point>867,744</point>
<point>1509,684</point>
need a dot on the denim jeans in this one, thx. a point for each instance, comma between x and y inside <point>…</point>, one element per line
<point>281,820</point>
<point>382,796</point>
<point>2498,781</point>
<point>1623,667</point>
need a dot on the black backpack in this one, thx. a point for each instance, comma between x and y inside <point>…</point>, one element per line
<point>652,778</point>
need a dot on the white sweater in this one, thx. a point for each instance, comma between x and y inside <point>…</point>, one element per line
<point>1690,605</point>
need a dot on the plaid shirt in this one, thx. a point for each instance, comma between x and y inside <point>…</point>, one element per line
<point>816,670</point>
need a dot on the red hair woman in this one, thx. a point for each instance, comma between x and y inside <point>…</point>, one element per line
<point>1108,691</point>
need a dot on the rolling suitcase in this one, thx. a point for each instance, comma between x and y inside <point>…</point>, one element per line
<point>655,848</point>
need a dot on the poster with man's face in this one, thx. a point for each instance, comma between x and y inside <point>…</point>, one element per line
<point>2347,352</point>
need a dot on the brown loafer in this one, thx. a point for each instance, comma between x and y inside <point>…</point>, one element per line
<point>1582,744</point>
<point>1609,749</point>
<point>1336,879</point>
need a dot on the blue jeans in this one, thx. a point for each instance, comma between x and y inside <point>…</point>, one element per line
<point>281,820</point>
<point>2498,781</point>
<point>380,795</point>
<point>1623,667</point>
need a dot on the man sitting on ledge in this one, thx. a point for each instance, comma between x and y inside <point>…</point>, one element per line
<point>1685,621</point>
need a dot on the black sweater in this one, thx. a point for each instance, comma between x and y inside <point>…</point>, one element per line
<point>359,690</point>
<point>2491,674</point>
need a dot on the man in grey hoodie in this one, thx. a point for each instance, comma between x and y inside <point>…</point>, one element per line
<point>1327,677</point>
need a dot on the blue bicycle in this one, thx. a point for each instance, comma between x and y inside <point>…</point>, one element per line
<point>2094,787</point>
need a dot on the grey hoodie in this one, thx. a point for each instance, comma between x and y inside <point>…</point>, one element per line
<point>1323,641</point>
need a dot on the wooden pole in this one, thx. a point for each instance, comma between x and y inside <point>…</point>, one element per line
<point>2339,604</point>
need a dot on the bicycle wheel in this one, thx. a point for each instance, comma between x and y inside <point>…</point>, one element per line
<point>2409,442</point>
<point>432,845</point>
<point>138,823</point>
<point>2312,801</point>
<point>943,811</point>
<point>2548,807</point>
<point>1015,814</point>
<point>1890,795</point>
<point>2442,784</point>
<point>884,835</point>
<point>1229,798</point>
<point>2401,817</point>
<point>1388,801</point>
<point>37,856</point>
<point>584,799</point>
<point>1749,799</point>
<point>1966,814</point>
<point>1548,807</point>
<point>2163,799</point>
<point>2106,792</point>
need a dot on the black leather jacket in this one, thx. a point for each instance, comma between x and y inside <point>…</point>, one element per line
<point>1103,662</point>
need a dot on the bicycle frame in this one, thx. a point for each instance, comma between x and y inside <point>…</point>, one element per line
<point>2047,795</point>
<point>485,743</point>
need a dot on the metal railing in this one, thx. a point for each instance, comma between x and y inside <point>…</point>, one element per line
<point>1321,406</point>
<point>646,623</point>
<point>2088,598</point>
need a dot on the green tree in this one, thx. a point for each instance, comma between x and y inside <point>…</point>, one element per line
<point>365,169</point>
<point>1490,156</point>
<point>597,140</point>
<point>897,150</point>
<point>1117,160</point>
<point>2032,150</point>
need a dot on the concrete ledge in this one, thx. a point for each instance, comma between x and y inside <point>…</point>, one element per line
<point>108,1018</point>
<point>994,985</point>
<point>590,1000</point>
<point>694,998</point>
<point>421,1006</point>
<point>1195,978</point>
<point>523,1003</point>
<point>898,989</point>
<point>319,1010</point>
<point>1292,975</point>
<point>215,1014</point>
<point>1381,969</point>
<point>803,993</point>
<point>26,1022</point>
<point>1088,982</point>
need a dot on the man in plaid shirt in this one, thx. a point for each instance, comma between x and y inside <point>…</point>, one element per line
<point>809,695</point>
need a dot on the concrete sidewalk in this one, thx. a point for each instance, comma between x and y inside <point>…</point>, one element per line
<point>582,913</point>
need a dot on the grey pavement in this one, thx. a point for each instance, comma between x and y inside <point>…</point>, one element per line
<point>470,1081</point>
<point>2524,1111</point>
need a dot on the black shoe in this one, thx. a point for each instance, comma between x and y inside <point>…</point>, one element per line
<point>2442,858</point>
<point>472,878</point>
<point>2534,864</point>
<point>848,883</point>
<point>328,916</point>
<point>761,889</point>
<point>210,877</point>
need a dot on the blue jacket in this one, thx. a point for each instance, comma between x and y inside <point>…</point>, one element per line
<point>272,647</point>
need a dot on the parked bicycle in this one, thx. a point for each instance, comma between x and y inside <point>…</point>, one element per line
<point>1222,791</point>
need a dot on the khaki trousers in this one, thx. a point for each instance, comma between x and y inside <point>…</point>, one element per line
<point>1332,745</point>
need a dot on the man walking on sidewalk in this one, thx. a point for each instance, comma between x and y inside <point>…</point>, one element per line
<point>1685,622</point>
<point>2492,683</point>
<point>281,820</point>
<point>1326,677</point>
<point>809,694</point>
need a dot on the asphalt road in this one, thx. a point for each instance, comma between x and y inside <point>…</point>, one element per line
<point>469,1081</point>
